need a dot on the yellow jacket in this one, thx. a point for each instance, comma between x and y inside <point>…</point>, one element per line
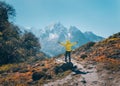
<point>68,45</point>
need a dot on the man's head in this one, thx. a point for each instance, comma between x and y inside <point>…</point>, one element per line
<point>68,42</point>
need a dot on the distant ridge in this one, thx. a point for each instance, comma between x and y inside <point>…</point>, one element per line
<point>51,34</point>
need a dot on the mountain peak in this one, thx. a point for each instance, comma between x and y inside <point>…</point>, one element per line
<point>58,24</point>
<point>73,27</point>
<point>55,26</point>
<point>75,30</point>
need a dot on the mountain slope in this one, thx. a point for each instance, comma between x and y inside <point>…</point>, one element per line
<point>77,35</point>
<point>49,39</point>
<point>106,56</point>
<point>92,37</point>
<point>109,47</point>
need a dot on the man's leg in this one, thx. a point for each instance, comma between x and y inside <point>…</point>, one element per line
<point>66,56</point>
<point>69,54</point>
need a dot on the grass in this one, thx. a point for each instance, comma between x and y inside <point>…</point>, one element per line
<point>21,74</point>
<point>5,68</point>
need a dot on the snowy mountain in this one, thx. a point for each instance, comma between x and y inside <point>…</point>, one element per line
<point>54,33</point>
<point>49,37</point>
<point>77,35</point>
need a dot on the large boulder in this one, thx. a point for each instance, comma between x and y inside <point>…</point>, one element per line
<point>64,67</point>
<point>38,75</point>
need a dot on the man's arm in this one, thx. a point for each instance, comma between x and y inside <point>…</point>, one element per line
<point>61,43</point>
<point>74,43</point>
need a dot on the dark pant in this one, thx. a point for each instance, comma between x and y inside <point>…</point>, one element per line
<point>68,54</point>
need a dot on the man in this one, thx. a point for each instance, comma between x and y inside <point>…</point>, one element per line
<point>68,46</point>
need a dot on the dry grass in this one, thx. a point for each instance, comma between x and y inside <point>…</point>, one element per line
<point>106,41</point>
<point>23,76</point>
<point>109,63</point>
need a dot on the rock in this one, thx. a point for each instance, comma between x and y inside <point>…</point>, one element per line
<point>44,69</point>
<point>23,70</point>
<point>38,75</point>
<point>42,64</point>
<point>90,67</point>
<point>73,73</point>
<point>48,77</point>
<point>84,81</point>
<point>83,56</point>
<point>95,82</point>
<point>16,69</point>
<point>37,64</point>
<point>80,68</point>
<point>110,78</point>
<point>113,72</point>
<point>1,72</point>
<point>32,82</point>
<point>5,74</point>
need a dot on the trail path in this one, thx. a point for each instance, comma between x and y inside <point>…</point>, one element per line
<point>82,76</point>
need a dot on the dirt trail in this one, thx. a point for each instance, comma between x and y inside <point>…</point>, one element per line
<point>82,76</point>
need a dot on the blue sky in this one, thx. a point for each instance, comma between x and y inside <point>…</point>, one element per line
<point>99,16</point>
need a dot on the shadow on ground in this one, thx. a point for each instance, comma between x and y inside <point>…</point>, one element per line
<point>68,66</point>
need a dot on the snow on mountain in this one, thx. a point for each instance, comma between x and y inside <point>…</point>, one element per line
<point>77,35</point>
<point>49,39</point>
<point>53,36</point>
<point>54,33</point>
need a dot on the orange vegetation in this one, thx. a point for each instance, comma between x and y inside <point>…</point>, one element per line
<point>105,59</point>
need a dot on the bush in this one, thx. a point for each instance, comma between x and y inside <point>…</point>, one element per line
<point>14,46</point>
<point>117,35</point>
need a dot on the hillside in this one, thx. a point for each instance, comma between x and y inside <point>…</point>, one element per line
<point>109,48</point>
<point>106,56</point>
<point>93,64</point>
